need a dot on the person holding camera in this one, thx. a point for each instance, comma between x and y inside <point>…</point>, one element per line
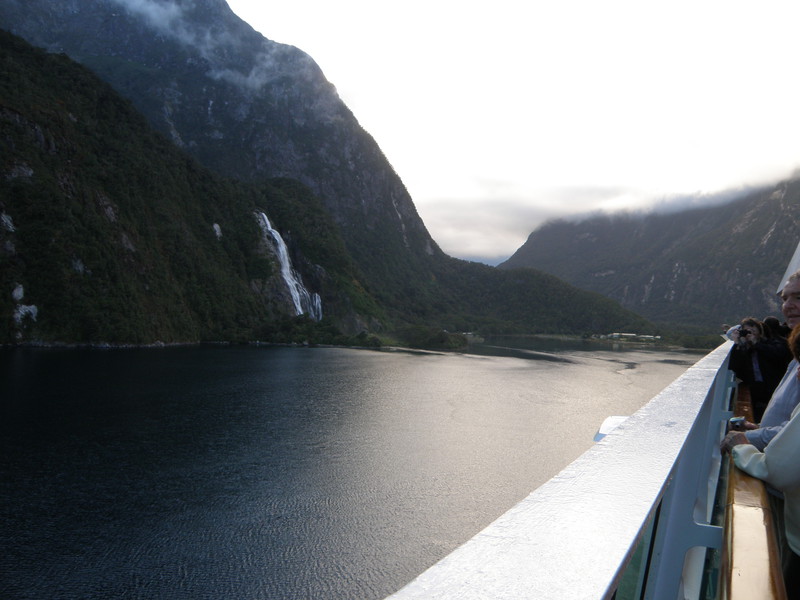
<point>786,395</point>
<point>759,359</point>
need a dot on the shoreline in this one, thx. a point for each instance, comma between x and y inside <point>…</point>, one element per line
<point>628,343</point>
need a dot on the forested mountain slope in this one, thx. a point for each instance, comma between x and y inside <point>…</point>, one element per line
<point>110,233</point>
<point>705,266</point>
<point>245,107</point>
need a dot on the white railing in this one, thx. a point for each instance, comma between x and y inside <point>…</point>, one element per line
<point>653,478</point>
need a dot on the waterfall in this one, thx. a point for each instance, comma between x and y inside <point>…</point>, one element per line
<point>304,302</point>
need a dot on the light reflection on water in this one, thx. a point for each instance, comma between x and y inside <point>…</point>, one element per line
<point>245,472</point>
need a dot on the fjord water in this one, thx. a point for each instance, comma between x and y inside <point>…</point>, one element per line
<point>284,473</point>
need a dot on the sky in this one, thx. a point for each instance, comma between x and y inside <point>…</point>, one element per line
<point>501,115</point>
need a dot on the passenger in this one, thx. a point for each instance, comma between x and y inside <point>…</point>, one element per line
<point>774,327</point>
<point>776,461</point>
<point>777,466</point>
<point>759,360</point>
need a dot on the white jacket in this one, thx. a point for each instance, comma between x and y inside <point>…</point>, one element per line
<point>779,466</point>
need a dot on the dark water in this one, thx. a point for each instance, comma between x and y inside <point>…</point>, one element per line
<point>282,473</point>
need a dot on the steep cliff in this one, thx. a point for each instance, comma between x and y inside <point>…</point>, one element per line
<point>245,107</point>
<point>109,233</point>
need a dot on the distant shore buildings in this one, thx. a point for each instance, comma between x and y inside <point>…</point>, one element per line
<point>631,337</point>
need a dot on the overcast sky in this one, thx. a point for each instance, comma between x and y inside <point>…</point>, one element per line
<point>498,116</point>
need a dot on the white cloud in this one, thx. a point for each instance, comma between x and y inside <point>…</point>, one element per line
<point>162,15</point>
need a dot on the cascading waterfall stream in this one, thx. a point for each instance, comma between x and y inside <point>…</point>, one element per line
<point>304,301</point>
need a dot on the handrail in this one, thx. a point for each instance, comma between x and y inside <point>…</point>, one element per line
<point>743,405</point>
<point>750,568</point>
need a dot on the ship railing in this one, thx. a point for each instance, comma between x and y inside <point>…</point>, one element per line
<point>636,516</point>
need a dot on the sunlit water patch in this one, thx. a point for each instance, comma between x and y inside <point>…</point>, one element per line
<point>270,473</point>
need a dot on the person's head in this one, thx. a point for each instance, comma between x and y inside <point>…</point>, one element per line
<point>772,326</point>
<point>790,294</point>
<point>752,326</point>
<point>749,332</point>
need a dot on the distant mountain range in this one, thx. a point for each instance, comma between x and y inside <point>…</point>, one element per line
<point>110,232</point>
<point>705,267</point>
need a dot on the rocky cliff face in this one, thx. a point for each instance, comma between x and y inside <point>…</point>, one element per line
<point>243,105</point>
<point>109,233</point>
<point>707,266</point>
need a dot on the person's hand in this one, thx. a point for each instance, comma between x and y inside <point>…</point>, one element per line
<point>733,438</point>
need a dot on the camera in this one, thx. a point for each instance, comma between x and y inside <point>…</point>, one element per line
<point>743,332</point>
<point>737,423</point>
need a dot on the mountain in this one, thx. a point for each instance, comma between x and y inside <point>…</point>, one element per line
<point>704,267</point>
<point>110,232</point>
<point>245,107</point>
